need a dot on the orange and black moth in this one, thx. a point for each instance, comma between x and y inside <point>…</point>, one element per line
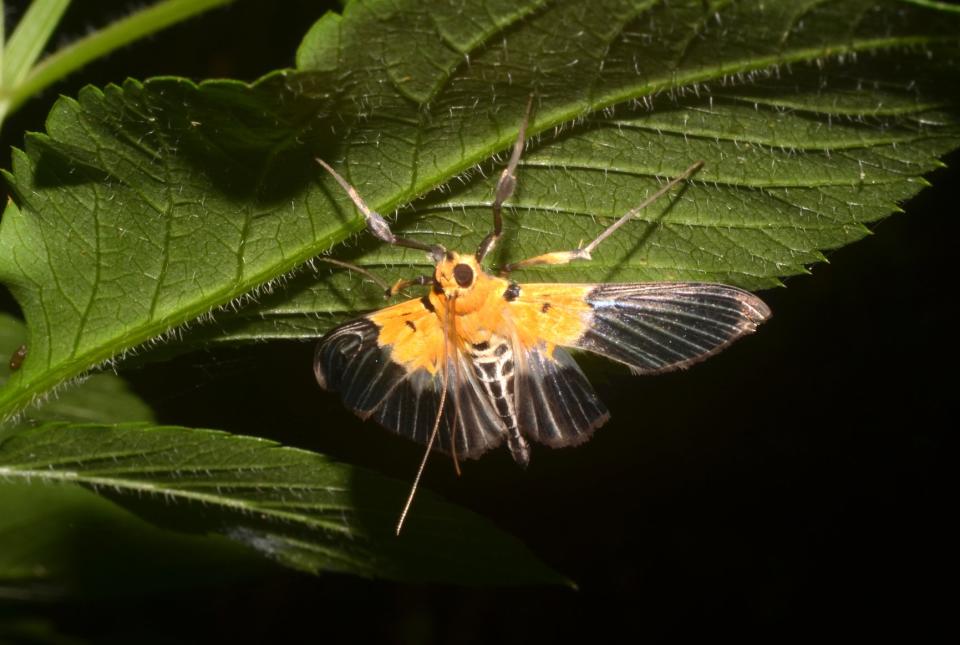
<point>480,360</point>
<point>499,347</point>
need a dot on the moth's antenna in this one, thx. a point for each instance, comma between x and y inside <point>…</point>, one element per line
<point>423,462</point>
<point>453,446</point>
<point>453,429</point>
<point>450,348</point>
<point>436,423</point>
<point>456,408</point>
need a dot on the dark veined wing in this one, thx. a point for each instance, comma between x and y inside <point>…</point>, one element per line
<point>656,327</point>
<point>556,405</point>
<point>649,326</point>
<point>350,360</point>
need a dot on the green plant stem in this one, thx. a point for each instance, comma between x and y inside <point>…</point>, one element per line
<point>3,39</point>
<point>936,4</point>
<point>29,38</point>
<point>25,45</point>
<point>120,33</point>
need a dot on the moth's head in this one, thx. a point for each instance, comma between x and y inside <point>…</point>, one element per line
<point>456,274</point>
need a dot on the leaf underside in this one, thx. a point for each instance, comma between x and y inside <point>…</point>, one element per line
<point>212,501</point>
<point>296,507</point>
<point>63,540</point>
<point>146,206</point>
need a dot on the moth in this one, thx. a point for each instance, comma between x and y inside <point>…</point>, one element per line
<point>480,359</point>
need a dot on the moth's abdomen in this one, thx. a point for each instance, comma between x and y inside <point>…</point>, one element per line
<point>494,366</point>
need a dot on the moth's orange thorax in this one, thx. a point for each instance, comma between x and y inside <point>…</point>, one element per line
<point>476,297</point>
<point>467,307</point>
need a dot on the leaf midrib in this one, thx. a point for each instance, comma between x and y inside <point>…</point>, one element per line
<point>167,492</point>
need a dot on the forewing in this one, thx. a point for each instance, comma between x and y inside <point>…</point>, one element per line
<point>556,404</point>
<point>349,360</point>
<point>404,397</point>
<point>651,327</point>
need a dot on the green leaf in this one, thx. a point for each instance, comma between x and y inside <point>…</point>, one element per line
<point>102,398</point>
<point>58,540</point>
<point>147,206</point>
<point>62,539</point>
<point>296,507</point>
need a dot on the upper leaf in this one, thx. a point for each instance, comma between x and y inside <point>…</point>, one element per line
<point>103,398</point>
<point>146,206</point>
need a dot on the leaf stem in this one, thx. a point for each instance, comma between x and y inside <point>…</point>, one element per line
<point>29,39</point>
<point>122,32</point>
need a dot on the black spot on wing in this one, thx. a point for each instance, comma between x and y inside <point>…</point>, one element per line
<point>662,326</point>
<point>512,292</point>
<point>557,406</point>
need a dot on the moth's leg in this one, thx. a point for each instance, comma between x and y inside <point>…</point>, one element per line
<point>377,224</point>
<point>505,187</point>
<point>389,290</point>
<point>584,252</point>
<point>400,285</point>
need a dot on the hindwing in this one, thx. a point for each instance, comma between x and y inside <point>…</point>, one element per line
<point>556,404</point>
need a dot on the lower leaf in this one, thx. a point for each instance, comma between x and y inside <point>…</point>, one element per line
<point>296,507</point>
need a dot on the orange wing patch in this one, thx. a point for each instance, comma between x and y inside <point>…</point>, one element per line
<point>551,314</point>
<point>414,332</point>
<point>541,315</point>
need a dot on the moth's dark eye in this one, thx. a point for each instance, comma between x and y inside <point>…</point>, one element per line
<point>463,274</point>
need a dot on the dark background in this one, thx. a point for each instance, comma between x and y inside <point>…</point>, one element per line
<point>794,484</point>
